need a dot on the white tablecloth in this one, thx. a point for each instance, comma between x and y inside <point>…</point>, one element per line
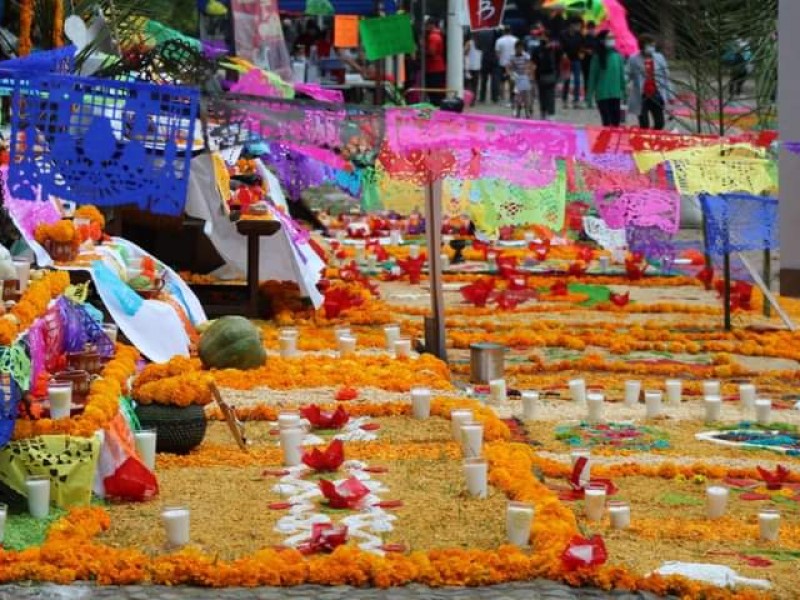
<point>281,258</point>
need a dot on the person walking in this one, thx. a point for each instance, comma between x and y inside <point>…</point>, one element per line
<point>572,45</point>
<point>651,90</point>
<point>545,62</point>
<point>504,48</point>
<point>587,52</point>
<point>472,67</point>
<point>520,70</point>
<point>435,67</point>
<point>485,41</point>
<point>607,80</point>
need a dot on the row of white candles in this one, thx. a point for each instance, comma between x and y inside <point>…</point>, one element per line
<point>346,342</point>
<point>653,399</point>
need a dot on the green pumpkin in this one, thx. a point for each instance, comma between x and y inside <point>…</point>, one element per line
<point>232,343</point>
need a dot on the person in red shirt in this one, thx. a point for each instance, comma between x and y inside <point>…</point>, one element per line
<point>435,67</point>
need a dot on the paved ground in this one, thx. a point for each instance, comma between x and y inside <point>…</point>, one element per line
<point>534,590</point>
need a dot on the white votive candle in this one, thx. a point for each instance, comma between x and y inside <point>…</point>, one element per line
<point>476,474</point>
<point>603,260</point>
<point>585,474</point>
<point>289,420</point>
<point>594,408</point>
<point>674,389</point>
<point>594,502</point>
<point>23,269</point>
<point>395,238</point>
<point>421,402</point>
<point>38,490</point>
<point>763,411</point>
<point>176,525</point>
<point>292,332</point>
<point>392,334</point>
<point>60,395</point>
<point>288,346</point>
<point>577,391</point>
<point>472,440</point>
<point>372,262</point>
<point>620,514</point>
<point>112,331</point>
<point>3,516</point>
<point>652,404</point>
<point>633,390</point>
<point>413,251</point>
<point>769,524</point>
<point>146,447</point>
<point>292,446</point>
<point>459,417</point>
<point>445,261</point>
<point>713,406</point>
<point>347,345</point>
<point>530,405</point>
<point>519,519</point>
<point>402,348</point>
<point>497,391</point>
<point>716,501</point>
<point>711,388</point>
<point>747,396</point>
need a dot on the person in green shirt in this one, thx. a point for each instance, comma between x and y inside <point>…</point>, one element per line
<point>607,80</point>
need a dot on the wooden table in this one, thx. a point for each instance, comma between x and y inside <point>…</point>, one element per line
<point>255,229</point>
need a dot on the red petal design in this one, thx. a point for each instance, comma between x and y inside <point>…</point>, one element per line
<point>370,426</point>
<point>279,505</point>
<point>346,495</point>
<point>390,504</point>
<point>328,460</point>
<point>752,496</point>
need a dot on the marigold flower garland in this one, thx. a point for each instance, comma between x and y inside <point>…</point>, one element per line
<point>32,305</point>
<point>102,403</point>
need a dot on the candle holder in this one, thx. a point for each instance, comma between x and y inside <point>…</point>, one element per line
<point>289,419</point>
<point>633,390</point>
<point>763,408</point>
<point>392,334</point>
<point>594,501</point>
<point>769,523</point>
<point>585,473</point>
<point>459,417</point>
<point>652,404</point>
<point>288,346</point>
<point>292,446</point>
<point>176,525</point>
<point>59,394</point>
<point>472,440</point>
<point>713,408</point>
<point>530,404</point>
<point>402,348</point>
<point>747,396</point>
<point>38,490</point>
<point>476,475</point>
<point>594,405</point>
<point>3,516</point>
<point>674,391</point>
<point>519,520</point>
<point>577,390</point>
<point>620,514</point>
<point>421,402</point>
<point>145,440</point>
<point>716,501</point>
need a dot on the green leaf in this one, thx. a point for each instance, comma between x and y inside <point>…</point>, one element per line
<point>598,294</point>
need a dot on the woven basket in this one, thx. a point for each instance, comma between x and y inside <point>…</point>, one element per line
<point>178,429</point>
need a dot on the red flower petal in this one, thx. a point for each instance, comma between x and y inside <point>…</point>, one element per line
<point>279,505</point>
<point>390,504</point>
<point>371,426</point>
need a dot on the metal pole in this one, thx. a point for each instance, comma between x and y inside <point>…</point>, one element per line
<point>455,48</point>
<point>767,280</point>
<point>423,49</point>
<point>726,266</point>
<point>433,231</point>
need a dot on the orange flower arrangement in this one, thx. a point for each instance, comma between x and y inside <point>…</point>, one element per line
<point>177,365</point>
<point>385,372</point>
<point>91,212</point>
<point>180,390</point>
<point>32,305</point>
<point>62,231</point>
<point>102,403</point>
